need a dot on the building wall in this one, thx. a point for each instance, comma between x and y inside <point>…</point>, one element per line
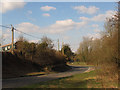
<point>6,48</point>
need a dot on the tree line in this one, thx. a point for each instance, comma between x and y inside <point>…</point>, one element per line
<point>41,53</point>
<point>104,52</point>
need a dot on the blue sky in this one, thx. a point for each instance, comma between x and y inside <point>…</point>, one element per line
<point>68,22</point>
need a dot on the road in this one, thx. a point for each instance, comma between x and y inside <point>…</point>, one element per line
<point>24,81</point>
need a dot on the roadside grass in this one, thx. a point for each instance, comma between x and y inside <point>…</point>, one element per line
<point>79,64</point>
<point>34,74</point>
<point>83,80</point>
<point>37,74</point>
<point>51,72</point>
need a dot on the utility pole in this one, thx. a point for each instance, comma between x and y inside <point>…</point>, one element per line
<point>58,45</point>
<point>12,29</point>
<point>62,48</point>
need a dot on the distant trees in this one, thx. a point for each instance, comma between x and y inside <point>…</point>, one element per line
<point>41,53</point>
<point>32,49</point>
<point>103,52</point>
<point>84,49</point>
<point>47,41</point>
<point>66,50</point>
<point>44,46</point>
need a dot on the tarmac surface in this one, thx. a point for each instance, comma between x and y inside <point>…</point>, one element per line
<point>24,81</point>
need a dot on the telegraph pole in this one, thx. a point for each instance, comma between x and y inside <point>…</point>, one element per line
<point>62,48</point>
<point>58,45</point>
<point>12,29</point>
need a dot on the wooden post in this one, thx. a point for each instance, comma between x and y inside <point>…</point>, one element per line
<point>62,48</point>
<point>12,29</point>
<point>58,45</point>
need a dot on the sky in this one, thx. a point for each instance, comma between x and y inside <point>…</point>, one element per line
<point>67,21</point>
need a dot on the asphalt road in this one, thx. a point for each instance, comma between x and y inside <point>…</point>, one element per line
<point>24,81</point>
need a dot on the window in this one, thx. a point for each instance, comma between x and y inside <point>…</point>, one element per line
<point>5,48</point>
<point>8,47</point>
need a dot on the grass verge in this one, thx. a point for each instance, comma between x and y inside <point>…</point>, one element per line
<point>79,64</point>
<point>83,80</point>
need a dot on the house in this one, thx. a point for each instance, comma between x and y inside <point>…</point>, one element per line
<point>6,47</point>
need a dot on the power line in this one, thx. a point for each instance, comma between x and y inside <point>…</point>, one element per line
<point>26,33</point>
<point>20,31</point>
<point>12,28</point>
<point>5,26</point>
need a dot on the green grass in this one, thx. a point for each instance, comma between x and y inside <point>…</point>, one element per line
<point>79,64</point>
<point>37,74</point>
<point>84,80</point>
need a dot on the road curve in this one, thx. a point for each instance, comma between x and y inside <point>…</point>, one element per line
<point>23,81</point>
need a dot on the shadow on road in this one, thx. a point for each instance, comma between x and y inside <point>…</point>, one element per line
<point>23,81</point>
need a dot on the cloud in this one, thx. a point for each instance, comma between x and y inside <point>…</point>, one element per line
<point>58,27</point>
<point>0,31</point>
<point>29,17</point>
<point>64,25</point>
<point>97,30</point>
<point>95,25</point>
<point>32,19</point>
<point>12,0</point>
<point>29,12</point>
<point>8,6</point>
<point>47,8</point>
<point>94,36</point>
<point>28,27</point>
<point>89,10</point>
<point>7,35</point>
<point>46,14</point>
<point>99,17</point>
<point>66,37</point>
<point>35,41</point>
<point>84,18</point>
